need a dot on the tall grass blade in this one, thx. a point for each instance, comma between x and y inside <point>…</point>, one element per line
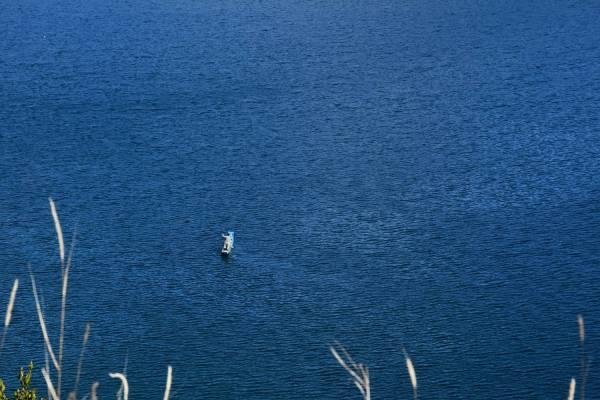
<point>572,389</point>
<point>168,384</point>
<point>583,356</point>
<point>43,324</point>
<point>47,365</point>
<point>86,336</point>
<point>49,384</point>
<point>343,363</point>
<point>358,372</point>
<point>9,310</point>
<point>120,391</point>
<point>581,325</point>
<point>93,395</point>
<point>118,375</point>
<point>59,234</point>
<point>11,303</point>
<point>365,371</point>
<point>63,310</point>
<point>412,374</point>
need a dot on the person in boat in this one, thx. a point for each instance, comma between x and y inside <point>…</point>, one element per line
<point>227,244</point>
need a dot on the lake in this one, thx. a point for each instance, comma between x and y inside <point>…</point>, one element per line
<point>416,175</point>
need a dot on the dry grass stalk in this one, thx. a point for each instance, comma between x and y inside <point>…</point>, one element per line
<point>43,324</point>
<point>9,310</point>
<point>411,373</point>
<point>118,375</point>
<point>572,389</point>
<point>358,372</point>
<point>47,365</point>
<point>120,391</point>
<point>584,360</point>
<point>168,385</point>
<point>49,384</point>
<point>93,395</point>
<point>11,303</point>
<point>86,336</point>
<point>63,309</point>
<point>581,328</point>
<point>59,235</point>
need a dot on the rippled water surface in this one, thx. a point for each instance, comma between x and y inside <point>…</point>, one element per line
<point>419,174</point>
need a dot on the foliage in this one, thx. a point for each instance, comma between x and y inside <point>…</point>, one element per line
<point>2,390</point>
<point>24,392</point>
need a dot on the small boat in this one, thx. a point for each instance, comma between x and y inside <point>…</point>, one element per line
<point>227,243</point>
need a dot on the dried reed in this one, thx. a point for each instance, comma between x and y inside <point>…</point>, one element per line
<point>49,384</point>
<point>86,336</point>
<point>47,365</point>
<point>93,395</point>
<point>43,324</point>
<point>584,368</point>
<point>572,389</point>
<point>63,309</point>
<point>411,373</point>
<point>11,303</point>
<point>358,372</point>
<point>59,235</point>
<point>9,310</point>
<point>118,375</point>
<point>120,391</point>
<point>168,384</point>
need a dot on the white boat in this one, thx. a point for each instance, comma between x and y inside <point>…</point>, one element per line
<point>227,243</point>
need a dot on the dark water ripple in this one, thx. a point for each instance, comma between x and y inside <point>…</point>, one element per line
<point>418,175</point>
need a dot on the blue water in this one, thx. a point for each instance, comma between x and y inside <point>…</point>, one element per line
<point>420,175</point>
